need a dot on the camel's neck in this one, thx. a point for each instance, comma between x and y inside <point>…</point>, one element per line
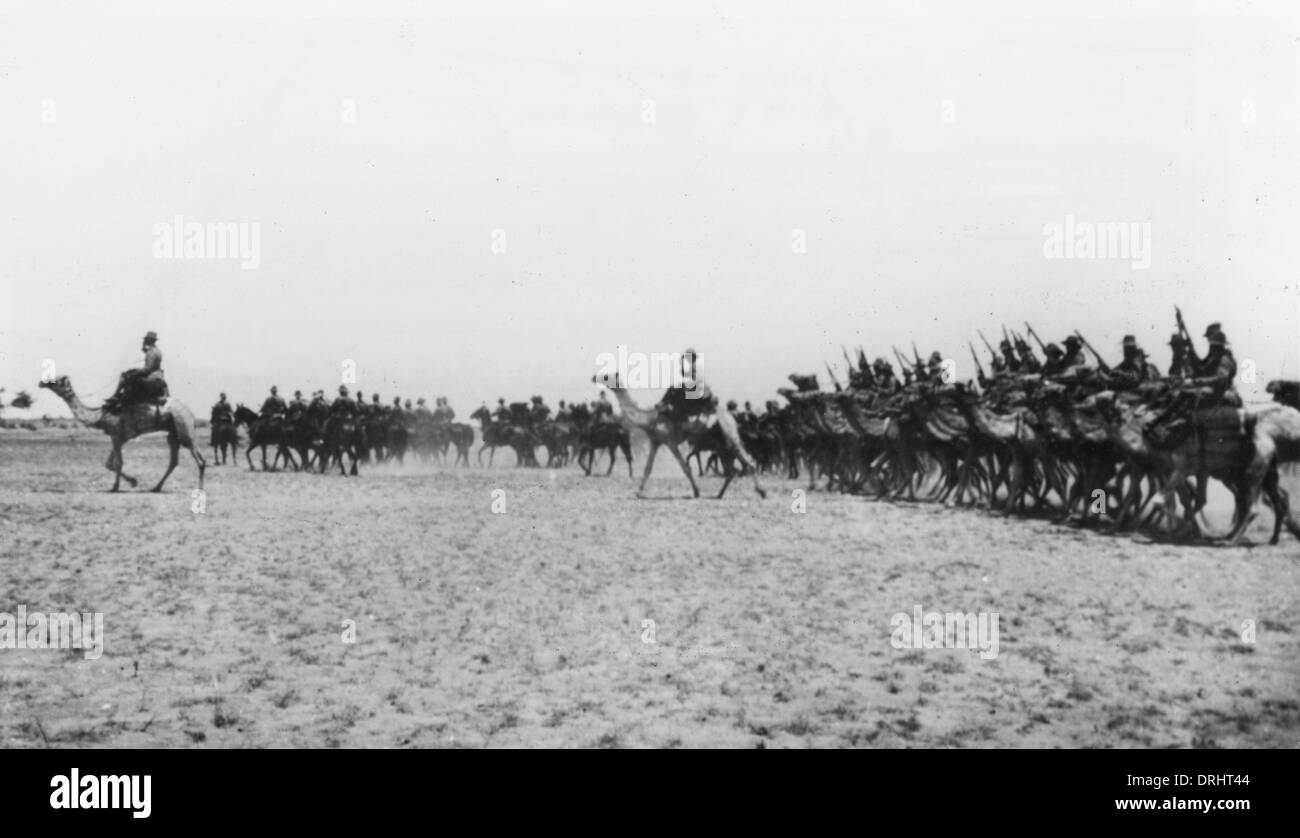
<point>91,416</point>
<point>632,413</point>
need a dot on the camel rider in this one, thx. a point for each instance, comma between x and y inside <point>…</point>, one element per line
<point>691,396</point>
<point>1133,370</point>
<point>1074,356</point>
<point>562,412</point>
<point>1010,362</point>
<point>274,406</point>
<point>1181,365</point>
<point>934,369</point>
<point>883,372</point>
<point>1215,375</point>
<point>1053,364</point>
<point>141,384</point>
<point>222,414</point>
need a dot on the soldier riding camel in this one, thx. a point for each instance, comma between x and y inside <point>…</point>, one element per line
<point>141,385</point>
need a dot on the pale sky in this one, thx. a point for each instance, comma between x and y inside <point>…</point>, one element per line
<point>649,172</point>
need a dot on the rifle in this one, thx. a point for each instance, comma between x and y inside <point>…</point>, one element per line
<point>1100,363</point>
<point>988,345</point>
<point>976,358</point>
<point>902,362</point>
<point>1187,336</point>
<point>848,363</point>
<point>832,375</point>
<point>1034,335</point>
<point>921,372</point>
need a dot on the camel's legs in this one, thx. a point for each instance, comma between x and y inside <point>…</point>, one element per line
<point>728,424</point>
<point>174,448</point>
<point>681,461</point>
<point>627,455</point>
<point>613,458</point>
<point>114,465</point>
<point>649,466</point>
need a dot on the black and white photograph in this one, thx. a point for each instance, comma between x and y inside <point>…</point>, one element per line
<point>650,375</point>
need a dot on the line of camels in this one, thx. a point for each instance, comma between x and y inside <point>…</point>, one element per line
<point>951,442</point>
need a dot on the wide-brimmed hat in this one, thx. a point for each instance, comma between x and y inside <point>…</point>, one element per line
<point>1211,329</point>
<point>1129,340</point>
<point>1053,349</point>
<point>150,337</point>
<point>1073,340</point>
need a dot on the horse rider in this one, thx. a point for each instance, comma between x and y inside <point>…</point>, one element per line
<point>274,406</point>
<point>141,384</point>
<point>601,409</point>
<point>222,414</point>
<point>343,406</point>
<point>539,412</point>
<point>502,413</point>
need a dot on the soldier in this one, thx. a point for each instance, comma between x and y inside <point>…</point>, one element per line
<point>934,368</point>
<point>297,408</point>
<point>539,412</point>
<point>343,405</point>
<point>562,412</point>
<point>319,409</point>
<point>396,415</point>
<point>1181,364</point>
<point>1133,370</point>
<point>274,406</point>
<point>1054,365</point>
<point>1010,362</point>
<point>747,415</point>
<point>1215,376</point>
<point>884,375</point>
<point>222,413</point>
<point>1029,362</point>
<point>601,409</point>
<point>376,409</point>
<point>141,384</point>
<point>1073,353</point>
<point>691,396</point>
<point>502,413</point>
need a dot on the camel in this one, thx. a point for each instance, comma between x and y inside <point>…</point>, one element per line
<point>1242,449</point>
<point>666,434</point>
<point>171,416</point>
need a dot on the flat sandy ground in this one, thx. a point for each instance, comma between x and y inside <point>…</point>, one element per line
<point>528,627</point>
